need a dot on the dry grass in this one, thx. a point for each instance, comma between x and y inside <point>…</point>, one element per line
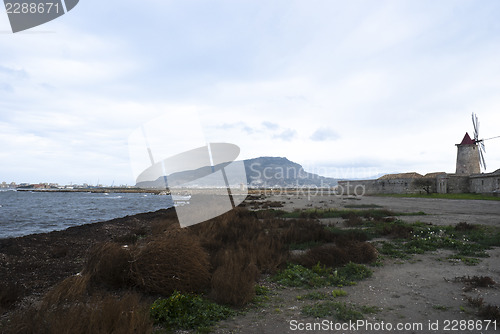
<point>339,255</point>
<point>99,314</point>
<point>72,289</point>
<point>108,264</point>
<point>485,311</point>
<point>477,281</point>
<point>304,230</point>
<point>330,255</point>
<point>241,230</point>
<point>174,261</point>
<point>233,282</point>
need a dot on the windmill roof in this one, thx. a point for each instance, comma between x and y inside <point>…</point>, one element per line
<point>467,140</point>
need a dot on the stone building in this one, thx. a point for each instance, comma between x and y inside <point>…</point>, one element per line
<point>467,178</point>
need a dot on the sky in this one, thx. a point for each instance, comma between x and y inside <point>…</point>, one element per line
<point>348,89</point>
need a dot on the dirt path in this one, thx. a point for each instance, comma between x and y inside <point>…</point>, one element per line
<point>416,293</point>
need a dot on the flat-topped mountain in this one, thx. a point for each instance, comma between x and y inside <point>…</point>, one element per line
<point>260,172</point>
<point>276,171</point>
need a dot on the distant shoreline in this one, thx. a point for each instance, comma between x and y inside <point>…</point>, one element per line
<point>93,190</point>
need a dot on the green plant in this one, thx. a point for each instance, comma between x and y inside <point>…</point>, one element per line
<point>319,276</point>
<point>298,276</point>
<point>355,272</point>
<point>467,241</point>
<point>316,295</point>
<point>188,311</point>
<point>469,261</point>
<point>361,206</point>
<point>338,293</point>
<point>341,311</point>
<point>261,294</point>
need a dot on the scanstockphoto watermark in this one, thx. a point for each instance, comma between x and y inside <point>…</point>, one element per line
<point>360,325</point>
<point>311,191</point>
<point>256,172</point>
<point>294,180</point>
<point>363,326</point>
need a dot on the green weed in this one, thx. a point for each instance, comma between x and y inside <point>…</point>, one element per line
<point>341,311</point>
<point>317,295</point>
<point>320,276</point>
<point>188,311</point>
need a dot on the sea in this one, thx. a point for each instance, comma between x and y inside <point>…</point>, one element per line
<point>24,212</point>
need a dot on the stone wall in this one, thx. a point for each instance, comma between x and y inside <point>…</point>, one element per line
<point>373,187</point>
<point>443,183</point>
<point>485,183</point>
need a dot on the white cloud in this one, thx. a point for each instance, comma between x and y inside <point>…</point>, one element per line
<point>324,134</point>
<point>388,86</point>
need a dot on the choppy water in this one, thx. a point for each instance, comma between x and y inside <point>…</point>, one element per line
<point>23,213</point>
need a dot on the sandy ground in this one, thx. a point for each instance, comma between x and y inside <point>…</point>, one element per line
<point>420,293</point>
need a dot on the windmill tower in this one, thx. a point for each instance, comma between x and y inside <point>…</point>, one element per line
<point>467,157</point>
<point>470,154</point>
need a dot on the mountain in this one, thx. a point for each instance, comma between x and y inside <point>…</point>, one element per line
<point>274,171</point>
<point>260,172</point>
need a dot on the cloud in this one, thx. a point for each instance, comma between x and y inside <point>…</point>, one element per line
<point>270,126</point>
<point>324,134</point>
<point>6,87</point>
<point>286,135</point>
<point>393,71</point>
<point>18,73</point>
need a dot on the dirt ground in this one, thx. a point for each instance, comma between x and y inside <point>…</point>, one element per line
<point>421,294</point>
<point>412,292</point>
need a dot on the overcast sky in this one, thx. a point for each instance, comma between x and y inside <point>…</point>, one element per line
<point>345,88</point>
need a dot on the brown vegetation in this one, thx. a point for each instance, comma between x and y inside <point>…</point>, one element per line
<point>336,256</point>
<point>99,314</point>
<point>108,264</point>
<point>233,281</point>
<point>174,261</point>
<point>222,257</point>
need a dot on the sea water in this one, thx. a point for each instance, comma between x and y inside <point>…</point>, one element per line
<point>24,212</point>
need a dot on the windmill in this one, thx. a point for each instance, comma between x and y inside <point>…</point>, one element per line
<point>470,155</point>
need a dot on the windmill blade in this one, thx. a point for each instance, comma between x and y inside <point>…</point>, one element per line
<point>475,122</point>
<point>491,138</point>
<point>481,159</point>
<point>482,147</point>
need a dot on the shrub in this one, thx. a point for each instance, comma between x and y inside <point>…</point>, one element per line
<point>240,231</point>
<point>233,282</point>
<point>108,264</point>
<point>298,231</point>
<point>187,311</point>
<point>332,256</point>
<point>72,289</point>
<point>174,261</point>
<point>335,256</point>
<point>355,272</point>
<point>100,315</point>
